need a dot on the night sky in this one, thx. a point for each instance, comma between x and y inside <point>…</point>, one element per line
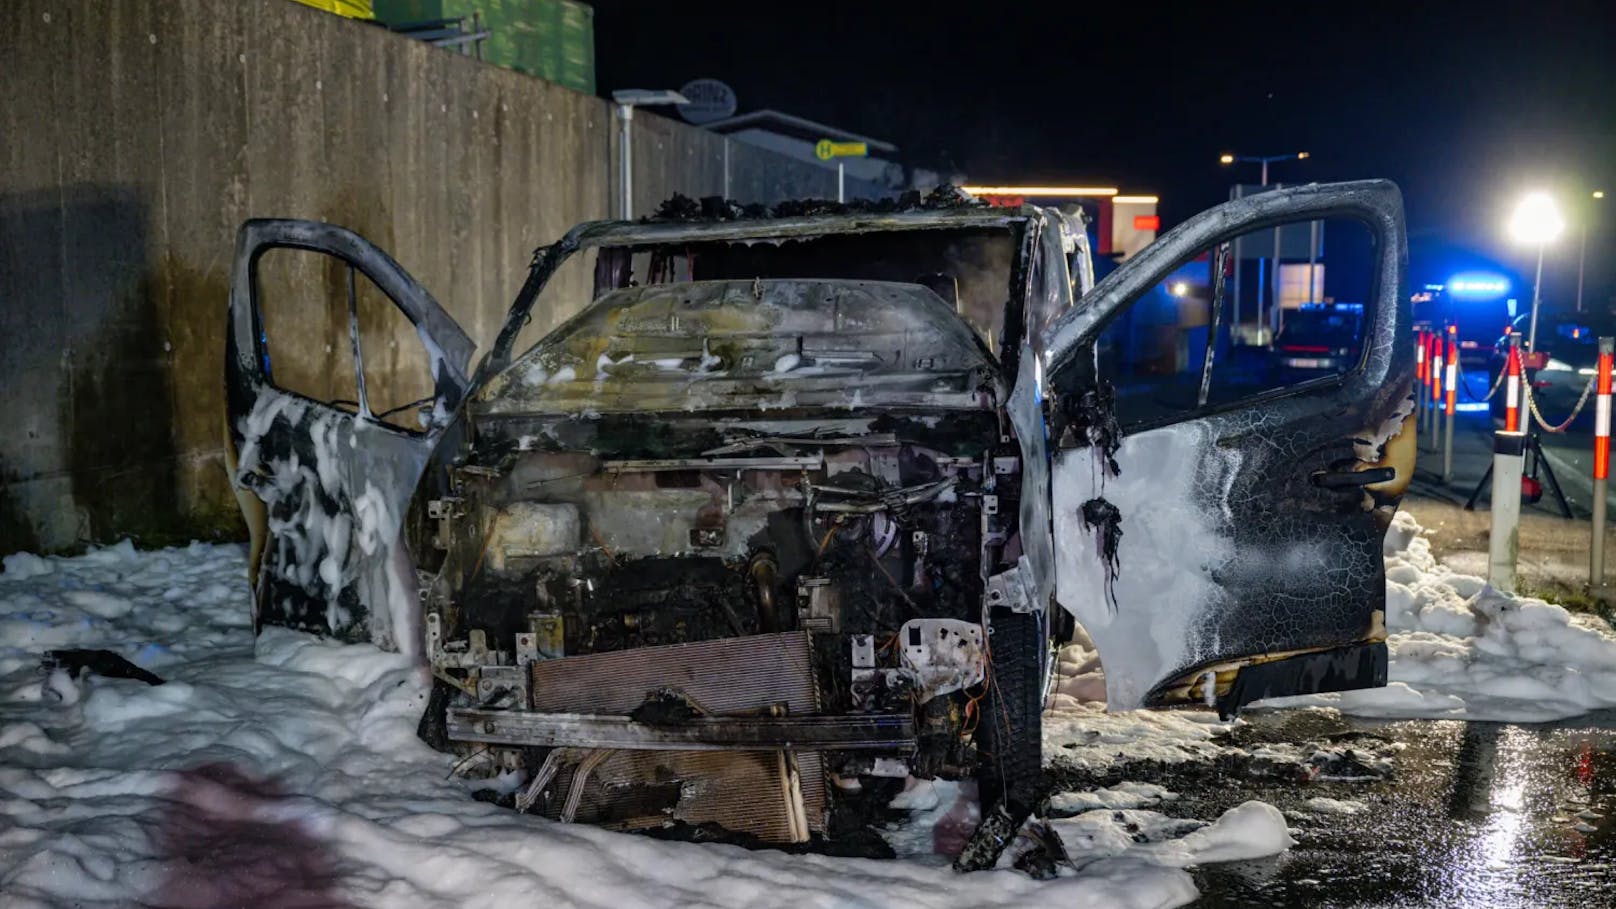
<point>1464,106</point>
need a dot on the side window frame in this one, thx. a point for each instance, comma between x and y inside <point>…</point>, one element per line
<point>262,346</point>
<point>1309,386</point>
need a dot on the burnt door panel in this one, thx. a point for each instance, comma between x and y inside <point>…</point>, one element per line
<point>1206,525</point>
<point>324,479</point>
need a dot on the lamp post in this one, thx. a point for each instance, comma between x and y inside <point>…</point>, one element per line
<point>1226,159</point>
<point>626,100</point>
<point>1265,160</point>
<point>1536,221</point>
<point>1582,245</point>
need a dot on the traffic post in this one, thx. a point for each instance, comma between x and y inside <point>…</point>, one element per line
<point>1451,381</point>
<point>1434,369</point>
<point>1419,369</point>
<point>1422,369</point>
<point>1596,557</point>
<point>1512,383</point>
<point>1504,540</point>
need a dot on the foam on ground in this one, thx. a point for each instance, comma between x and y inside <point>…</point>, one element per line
<point>294,777</point>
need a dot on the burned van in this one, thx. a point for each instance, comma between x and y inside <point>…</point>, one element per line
<point>796,505</point>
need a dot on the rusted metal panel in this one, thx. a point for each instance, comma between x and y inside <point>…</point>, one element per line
<point>723,676</point>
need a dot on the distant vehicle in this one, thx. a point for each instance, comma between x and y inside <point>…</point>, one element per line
<point>1571,341</point>
<point>1319,337</point>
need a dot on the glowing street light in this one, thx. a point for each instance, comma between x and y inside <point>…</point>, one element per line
<point>1265,160</point>
<point>1536,221</point>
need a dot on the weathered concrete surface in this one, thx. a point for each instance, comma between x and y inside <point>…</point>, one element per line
<point>139,134</point>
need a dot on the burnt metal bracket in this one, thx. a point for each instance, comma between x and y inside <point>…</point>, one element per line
<point>580,730</point>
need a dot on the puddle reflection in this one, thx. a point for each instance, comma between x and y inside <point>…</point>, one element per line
<point>1474,814</point>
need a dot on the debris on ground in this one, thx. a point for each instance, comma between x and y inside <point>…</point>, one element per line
<point>77,662</point>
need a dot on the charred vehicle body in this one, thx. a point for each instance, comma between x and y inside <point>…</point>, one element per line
<point>799,505</point>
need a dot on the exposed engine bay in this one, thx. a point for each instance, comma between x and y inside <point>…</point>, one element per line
<point>622,627</point>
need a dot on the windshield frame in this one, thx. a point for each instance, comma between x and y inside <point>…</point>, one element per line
<point>547,260</point>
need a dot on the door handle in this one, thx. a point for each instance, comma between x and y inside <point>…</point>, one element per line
<point>1346,479</point>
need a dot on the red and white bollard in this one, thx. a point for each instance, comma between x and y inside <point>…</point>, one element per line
<point>1419,374</point>
<point>1451,381</point>
<point>1434,379</point>
<point>1596,558</point>
<point>1512,384</point>
<point>1504,539</point>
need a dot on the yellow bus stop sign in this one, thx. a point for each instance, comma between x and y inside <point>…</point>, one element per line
<point>825,149</point>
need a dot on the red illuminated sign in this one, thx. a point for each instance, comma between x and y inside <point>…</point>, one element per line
<point>1147,222</point>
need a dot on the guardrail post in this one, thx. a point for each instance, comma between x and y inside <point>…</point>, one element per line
<point>1504,540</point>
<point>1596,554</point>
<point>1451,380</point>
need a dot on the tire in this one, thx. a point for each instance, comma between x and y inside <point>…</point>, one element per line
<point>1010,738</point>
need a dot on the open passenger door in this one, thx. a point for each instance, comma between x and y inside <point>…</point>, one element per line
<point>1219,507</point>
<point>342,374</point>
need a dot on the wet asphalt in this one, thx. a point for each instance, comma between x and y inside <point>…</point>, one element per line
<point>1468,814</point>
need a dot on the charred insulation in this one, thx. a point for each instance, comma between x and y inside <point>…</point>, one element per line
<point>718,208</point>
<point>1105,519</point>
<point>1093,415</point>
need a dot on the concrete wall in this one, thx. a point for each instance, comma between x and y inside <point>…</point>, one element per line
<point>140,133</point>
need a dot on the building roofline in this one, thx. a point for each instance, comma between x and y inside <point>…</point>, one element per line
<point>801,127</point>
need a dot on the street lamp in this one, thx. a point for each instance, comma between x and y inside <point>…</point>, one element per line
<point>1265,160</point>
<point>1536,221</point>
<point>1228,158</point>
<point>627,99</point>
<point>1582,245</point>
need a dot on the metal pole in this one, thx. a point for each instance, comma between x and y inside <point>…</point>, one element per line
<point>841,181</point>
<point>1504,540</point>
<point>1596,552</point>
<point>1312,261</point>
<point>625,160</point>
<point>1262,311</point>
<point>726,167</point>
<point>1278,312</point>
<point>1582,255</point>
<point>1537,283</point>
<point>1234,330</point>
<point>1262,278</point>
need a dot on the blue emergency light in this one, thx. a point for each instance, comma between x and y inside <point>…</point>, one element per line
<point>1477,285</point>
